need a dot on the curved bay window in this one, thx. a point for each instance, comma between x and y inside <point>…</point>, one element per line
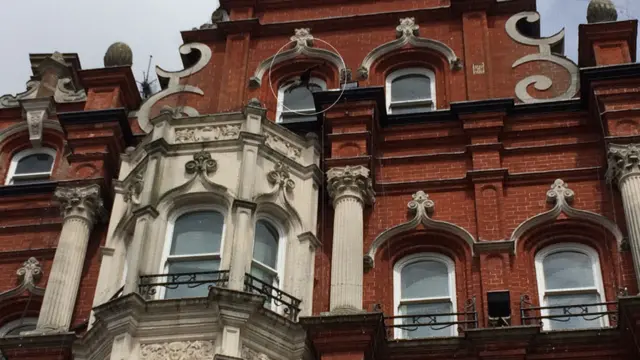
<point>424,293</point>
<point>195,248</point>
<point>295,101</point>
<point>30,166</point>
<point>570,283</point>
<point>411,90</point>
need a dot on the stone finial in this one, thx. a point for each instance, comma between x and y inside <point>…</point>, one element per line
<point>202,163</point>
<point>219,15</point>
<point>303,37</point>
<point>601,11</point>
<point>83,202</point>
<point>560,192</point>
<point>421,204</point>
<point>407,28</point>
<point>118,54</point>
<point>30,272</point>
<point>350,181</point>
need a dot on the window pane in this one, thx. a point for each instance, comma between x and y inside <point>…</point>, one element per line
<point>300,98</point>
<point>423,279</point>
<point>264,275</point>
<point>578,322</point>
<point>411,331</point>
<point>410,87</point>
<point>35,163</point>
<point>265,248</point>
<point>191,288</point>
<point>197,233</point>
<point>567,270</point>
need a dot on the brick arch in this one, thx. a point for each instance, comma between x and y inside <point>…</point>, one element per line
<point>23,306</point>
<point>412,57</point>
<point>19,140</point>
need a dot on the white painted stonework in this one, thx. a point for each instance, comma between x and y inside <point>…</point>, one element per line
<point>248,168</point>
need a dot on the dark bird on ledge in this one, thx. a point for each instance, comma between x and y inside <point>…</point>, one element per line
<point>304,80</point>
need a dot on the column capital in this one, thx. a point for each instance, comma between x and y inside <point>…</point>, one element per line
<point>83,201</point>
<point>624,160</point>
<point>351,181</point>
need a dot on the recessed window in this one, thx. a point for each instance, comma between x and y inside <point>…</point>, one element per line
<point>266,247</point>
<point>570,281</point>
<point>15,327</point>
<point>31,165</point>
<point>411,90</point>
<point>295,103</point>
<point>424,292</point>
<point>194,252</point>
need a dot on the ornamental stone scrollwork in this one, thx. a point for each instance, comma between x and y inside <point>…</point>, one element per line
<point>350,181</point>
<point>178,112</point>
<point>302,44</point>
<point>250,354</point>
<point>84,202</point>
<point>172,79</point>
<point>28,275</point>
<point>561,197</point>
<point>407,33</point>
<point>422,208</point>
<point>207,133</point>
<point>178,350</point>
<point>65,92</point>
<point>540,82</point>
<point>133,188</point>
<point>281,178</point>
<point>283,146</point>
<point>624,160</point>
<point>9,101</point>
<point>202,164</point>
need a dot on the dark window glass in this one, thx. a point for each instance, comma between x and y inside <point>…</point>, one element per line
<point>410,87</point>
<point>197,233</point>
<point>36,163</point>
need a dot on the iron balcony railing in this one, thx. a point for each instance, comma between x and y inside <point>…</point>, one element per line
<point>149,284</point>
<point>431,325</point>
<point>573,316</point>
<point>275,299</point>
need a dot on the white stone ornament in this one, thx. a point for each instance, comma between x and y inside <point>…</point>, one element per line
<point>283,146</point>
<point>624,160</point>
<point>281,178</point>
<point>350,180</point>
<point>302,37</point>
<point>178,350</point>
<point>201,164</point>
<point>207,133</point>
<point>407,27</point>
<point>82,202</point>
<point>28,275</point>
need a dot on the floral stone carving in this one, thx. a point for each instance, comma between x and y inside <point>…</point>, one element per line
<point>202,163</point>
<point>178,350</point>
<point>207,133</point>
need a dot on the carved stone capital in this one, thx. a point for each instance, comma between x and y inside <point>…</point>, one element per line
<point>35,112</point>
<point>624,160</point>
<point>84,202</point>
<point>351,181</point>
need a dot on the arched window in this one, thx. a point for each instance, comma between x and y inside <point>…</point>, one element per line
<point>31,165</point>
<point>411,90</point>
<point>266,254</point>
<point>569,274</point>
<point>424,286</point>
<point>295,103</point>
<point>15,327</point>
<point>195,251</point>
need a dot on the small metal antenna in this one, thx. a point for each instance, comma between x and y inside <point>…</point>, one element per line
<point>145,85</point>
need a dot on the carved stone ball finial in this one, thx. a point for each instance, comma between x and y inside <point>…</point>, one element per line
<point>601,11</point>
<point>118,54</point>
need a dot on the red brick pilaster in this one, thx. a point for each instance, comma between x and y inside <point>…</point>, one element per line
<point>607,43</point>
<point>476,61</point>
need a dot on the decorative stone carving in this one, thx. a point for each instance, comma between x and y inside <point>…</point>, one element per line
<point>118,54</point>
<point>345,76</point>
<point>624,160</point>
<point>178,350</point>
<point>249,354</point>
<point>281,178</point>
<point>407,33</point>
<point>173,82</point>
<point>561,196</point>
<point>179,112</point>
<point>35,112</point>
<point>84,202</point>
<point>28,275</point>
<point>421,207</point>
<point>283,146</point>
<point>207,133</point>
<point>540,82</point>
<point>133,188</point>
<point>302,41</point>
<point>351,180</point>
<point>9,101</point>
<point>601,11</point>
<point>66,92</point>
<point>202,163</point>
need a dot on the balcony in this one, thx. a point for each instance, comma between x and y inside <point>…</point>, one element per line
<point>419,326</point>
<point>275,299</point>
<point>181,285</point>
<point>570,316</point>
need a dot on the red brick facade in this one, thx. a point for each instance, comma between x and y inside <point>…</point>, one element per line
<point>485,160</point>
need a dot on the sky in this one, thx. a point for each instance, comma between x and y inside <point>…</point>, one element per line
<point>152,27</point>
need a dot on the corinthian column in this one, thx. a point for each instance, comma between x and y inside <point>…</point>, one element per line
<point>80,207</point>
<point>624,169</point>
<point>350,188</point>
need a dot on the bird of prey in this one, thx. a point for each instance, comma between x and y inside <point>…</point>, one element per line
<point>303,81</point>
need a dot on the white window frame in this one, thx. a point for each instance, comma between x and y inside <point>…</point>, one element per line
<point>11,174</point>
<point>164,264</point>
<point>410,103</point>
<point>397,287</point>
<point>280,260</point>
<point>281,111</point>
<point>597,279</point>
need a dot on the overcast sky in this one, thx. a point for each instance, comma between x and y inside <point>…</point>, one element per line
<point>152,27</point>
